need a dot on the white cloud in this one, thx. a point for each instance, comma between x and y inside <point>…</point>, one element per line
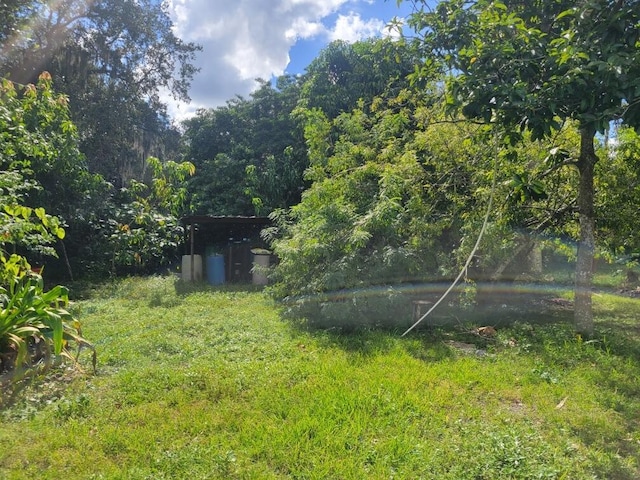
<point>302,29</point>
<point>352,28</point>
<point>246,39</point>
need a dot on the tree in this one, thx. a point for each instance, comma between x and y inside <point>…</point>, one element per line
<point>393,189</point>
<point>344,73</point>
<point>274,177</point>
<point>39,142</point>
<point>534,65</point>
<point>122,41</point>
<point>35,135</point>
<point>145,231</point>
<point>107,231</point>
<point>13,14</point>
<point>250,154</point>
<point>618,186</point>
<point>113,59</point>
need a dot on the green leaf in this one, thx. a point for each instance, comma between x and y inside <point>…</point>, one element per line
<point>566,13</point>
<point>41,214</point>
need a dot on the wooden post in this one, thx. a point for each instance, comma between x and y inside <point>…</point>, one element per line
<point>192,230</point>
<point>420,307</point>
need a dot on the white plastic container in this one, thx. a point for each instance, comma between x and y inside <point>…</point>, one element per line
<point>261,261</point>
<point>197,268</point>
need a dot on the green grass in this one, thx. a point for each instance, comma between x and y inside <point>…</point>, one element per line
<point>203,383</point>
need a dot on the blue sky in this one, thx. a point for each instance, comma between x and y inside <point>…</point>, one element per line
<point>304,51</point>
<point>247,39</point>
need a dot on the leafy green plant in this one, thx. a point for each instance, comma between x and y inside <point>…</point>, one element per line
<point>145,231</point>
<point>31,316</point>
<point>249,154</point>
<point>394,201</point>
<point>34,323</point>
<point>548,44</point>
<point>31,229</point>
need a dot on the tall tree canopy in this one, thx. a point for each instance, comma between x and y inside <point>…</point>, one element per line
<point>13,14</point>
<point>534,65</point>
<point>121,41</point>
<point>113,58</point>
<point>398,193</point>
<point>344,73</point>
<point>250,154</point>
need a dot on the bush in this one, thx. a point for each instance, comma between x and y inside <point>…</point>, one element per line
<point>35,324</point>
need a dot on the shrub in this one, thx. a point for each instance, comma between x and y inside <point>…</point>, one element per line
<point>35,324</point>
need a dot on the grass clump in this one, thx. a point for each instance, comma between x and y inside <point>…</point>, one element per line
<point>211,383</point>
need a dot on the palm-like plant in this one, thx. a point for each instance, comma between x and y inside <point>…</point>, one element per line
<point>31,315</point>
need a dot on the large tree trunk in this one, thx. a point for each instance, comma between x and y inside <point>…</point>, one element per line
<point>583,313</point>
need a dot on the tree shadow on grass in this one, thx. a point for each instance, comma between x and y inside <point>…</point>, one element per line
<point>368,343</point>
<point>545,332</point>
<point>537,324</point>
<point>365,323</point>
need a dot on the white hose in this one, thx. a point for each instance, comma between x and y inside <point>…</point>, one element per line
<point>473,251</point>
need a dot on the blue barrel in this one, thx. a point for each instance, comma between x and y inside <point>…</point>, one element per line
<point>215,269</point>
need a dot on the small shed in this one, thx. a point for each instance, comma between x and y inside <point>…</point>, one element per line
<point>227,240</point>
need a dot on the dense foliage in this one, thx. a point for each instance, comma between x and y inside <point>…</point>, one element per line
<point>40,141</point>
<point>249,155</point>
<point>530,66</point>
<point>112,58</point>
<point>36,144</point>
<point>344,74</point>
<point>145,232</point>
<point>377,164</point>
<point>42,167</point>
<point>109,231</point>
<point>398,194</point>
<point>618,187</point>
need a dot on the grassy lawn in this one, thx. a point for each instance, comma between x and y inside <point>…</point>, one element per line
<point>211,383</point>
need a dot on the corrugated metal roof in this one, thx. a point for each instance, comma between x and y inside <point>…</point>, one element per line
<point>201,219</point>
